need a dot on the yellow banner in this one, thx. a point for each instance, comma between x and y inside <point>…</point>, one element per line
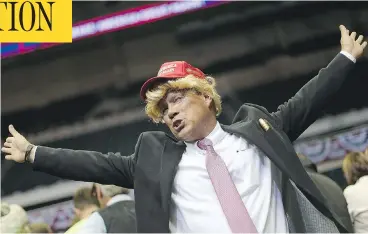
<point>36,21</point>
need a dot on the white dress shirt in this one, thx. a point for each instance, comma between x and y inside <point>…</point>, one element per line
<point>357,198</point>
<point>195,206</point>
<point>349,56</point>
<point>95,223</point>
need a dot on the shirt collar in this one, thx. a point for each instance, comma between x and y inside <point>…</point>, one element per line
<point>216,135</point>
<point>118,198</point>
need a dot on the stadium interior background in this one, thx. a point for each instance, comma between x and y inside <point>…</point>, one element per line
<point>85,95</point>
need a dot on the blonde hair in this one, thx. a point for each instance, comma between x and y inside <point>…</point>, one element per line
<point>354,166</point>
<point>205,86</point>
<point>84,199</point>
<point>37,228</point>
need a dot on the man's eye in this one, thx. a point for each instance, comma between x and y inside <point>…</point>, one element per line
<point>178,99</point>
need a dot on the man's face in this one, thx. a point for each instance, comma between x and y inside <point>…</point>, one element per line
<point>185,113</point>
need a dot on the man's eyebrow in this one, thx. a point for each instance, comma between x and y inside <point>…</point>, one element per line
<point>173,95</point>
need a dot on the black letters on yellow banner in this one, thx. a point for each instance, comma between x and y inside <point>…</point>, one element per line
<point>27,15</point>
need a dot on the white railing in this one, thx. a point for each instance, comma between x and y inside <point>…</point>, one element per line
<point>324,125</point>
<point>89,126</point>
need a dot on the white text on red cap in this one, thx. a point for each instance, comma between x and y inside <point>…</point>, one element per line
<point>166,71</point>
<point>166,67</point>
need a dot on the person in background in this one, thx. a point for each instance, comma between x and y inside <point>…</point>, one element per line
<point>330,189</point>
<point>13,218</point>
<point>37,228</point>
<point>84,205</point>
<point>117,214</point>
<point>355,168</point>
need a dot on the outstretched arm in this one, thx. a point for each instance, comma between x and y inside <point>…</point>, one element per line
<point>296,115</point>
<point>73,164</point>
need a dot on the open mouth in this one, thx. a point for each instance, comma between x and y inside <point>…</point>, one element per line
<point>178,125</point>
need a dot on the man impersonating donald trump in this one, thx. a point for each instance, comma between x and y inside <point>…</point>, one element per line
<point>238,178</point>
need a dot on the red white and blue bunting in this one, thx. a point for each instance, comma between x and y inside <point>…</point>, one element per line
<point>59,216</point>
<point>334,147</point>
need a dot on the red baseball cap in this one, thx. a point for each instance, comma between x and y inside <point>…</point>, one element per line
<point>169,71</point>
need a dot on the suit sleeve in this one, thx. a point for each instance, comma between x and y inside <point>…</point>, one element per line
<point>89,166</point>
<point>297,114</point>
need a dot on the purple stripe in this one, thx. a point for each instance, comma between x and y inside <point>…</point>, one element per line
<point>118,21</point>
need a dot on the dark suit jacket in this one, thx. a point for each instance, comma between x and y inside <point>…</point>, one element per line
<point>331,190</point>
<point>335,197</point>
<point>119,217</point>
<point>151,169</point>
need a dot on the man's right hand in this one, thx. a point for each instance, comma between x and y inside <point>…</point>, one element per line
<point>15,146</point>
<point>351,44</point>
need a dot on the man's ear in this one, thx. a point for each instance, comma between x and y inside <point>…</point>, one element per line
<point>99,194</point>
<point>208,100</point>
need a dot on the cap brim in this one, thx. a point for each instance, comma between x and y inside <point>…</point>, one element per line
<point>149,83</point>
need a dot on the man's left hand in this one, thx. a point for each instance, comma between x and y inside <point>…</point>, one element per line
<point>349,44</point>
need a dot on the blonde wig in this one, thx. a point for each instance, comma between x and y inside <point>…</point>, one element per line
<point>355,166</point>
<point>191,83</point>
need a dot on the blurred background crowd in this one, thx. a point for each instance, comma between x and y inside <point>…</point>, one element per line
<point>85,95</point>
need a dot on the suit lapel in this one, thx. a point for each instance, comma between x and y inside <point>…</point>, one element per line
<point>170,159</point>
<point>273,147</point>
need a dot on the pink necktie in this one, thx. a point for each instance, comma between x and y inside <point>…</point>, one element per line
<point>232,205</point>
